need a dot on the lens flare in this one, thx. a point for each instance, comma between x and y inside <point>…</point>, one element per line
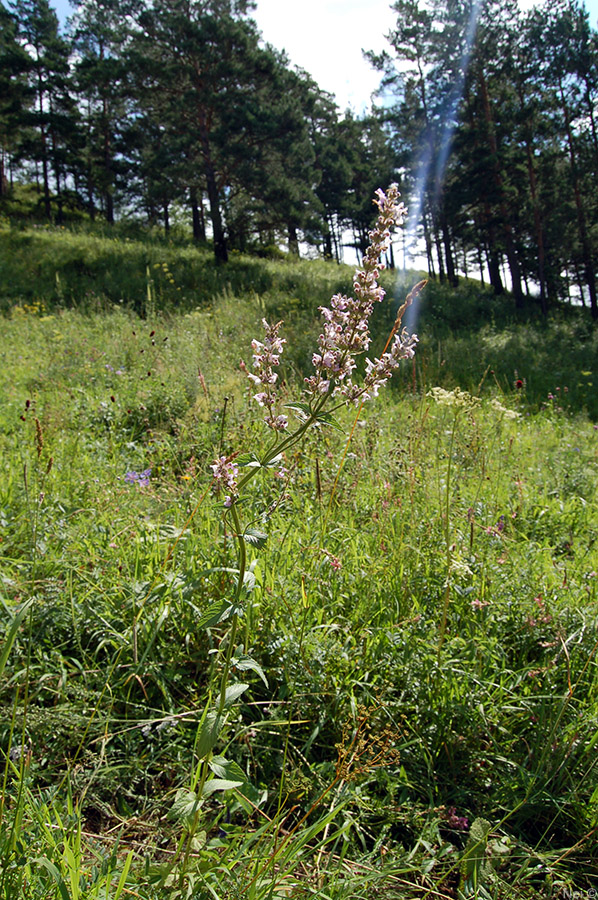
<point>432,162</point>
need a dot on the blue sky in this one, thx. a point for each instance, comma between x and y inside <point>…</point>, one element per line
<point>330,52</point>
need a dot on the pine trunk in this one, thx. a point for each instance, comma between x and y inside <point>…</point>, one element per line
<point>507,230</point>
<point>588,263</point>
<point>199,225</point>
<point>220,250</point>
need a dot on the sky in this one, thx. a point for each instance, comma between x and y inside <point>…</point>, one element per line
<point>326,38</point>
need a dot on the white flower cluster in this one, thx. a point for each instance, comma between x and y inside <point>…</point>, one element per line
<point>457,398</point>
<point>503,411</point>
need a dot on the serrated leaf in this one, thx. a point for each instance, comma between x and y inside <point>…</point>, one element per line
<point>186,806</point>
<point>475,868</point>
<point>209,733</point>
<point>218,784</point>
<point>198,841</point>
<point>218,766</point>
<point>216,613</point>
<point>245,663</point>
<point>248,583</point>
<point>233,692</point>
<point>227,768</point>
<point>255,537</point>
<point>236,773</point>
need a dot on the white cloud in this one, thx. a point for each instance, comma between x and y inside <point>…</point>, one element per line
<point>326,37</point>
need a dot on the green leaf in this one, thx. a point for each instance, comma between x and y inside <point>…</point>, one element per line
<point>255,537</point>
<point>12,632</point>
<point>210,730</point>
<point>51,868</point>
<point>248,584</point>
<point>227,768</point>
<point>233,692</point>
<point>248,459</point>
<point>296,404</point>
<point>301,410</point>
<point>219,784</point>
<point>216,613</point>
<point>123,875</point>
<point>276,461</point>
<point>475,868</point>
<point>327,419</point>
<point>235,773</point>
<point>186,806</point>
<point>244,663</point>
<point>218,766</point>
<point>249,797</point>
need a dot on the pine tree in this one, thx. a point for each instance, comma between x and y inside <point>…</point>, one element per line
<point>14,92</point>
<point>52,117</point>
<point>200,73</point>
<point>100,30</point>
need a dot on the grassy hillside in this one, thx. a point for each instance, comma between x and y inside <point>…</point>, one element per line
<point>418,627</point>
<point>469,337</point>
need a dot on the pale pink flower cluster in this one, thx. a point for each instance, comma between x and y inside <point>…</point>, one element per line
<point>379,371</point>
<point>226,472</point>
<point>346,322</point>
<point>266,355</point>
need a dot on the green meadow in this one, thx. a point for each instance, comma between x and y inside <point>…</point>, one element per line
<point>414,710</point>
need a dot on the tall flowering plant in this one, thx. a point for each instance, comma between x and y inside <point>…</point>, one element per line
<point>345,336</point>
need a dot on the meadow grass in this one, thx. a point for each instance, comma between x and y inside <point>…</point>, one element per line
<point>469,338</point>
<point>421,719</point>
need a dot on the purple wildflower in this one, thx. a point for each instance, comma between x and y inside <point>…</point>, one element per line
<point>140,478</point>
<point>459,823</point>
<point>144,477</point>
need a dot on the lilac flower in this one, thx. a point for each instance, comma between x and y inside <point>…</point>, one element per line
<point>479,604</point>
<point>144,477</point>
<point>140,478</point>
<point>380,370</point>
<point>459,823</point>
<point>346,322</point>
<point>266,355</point>
<point>226,473</point>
